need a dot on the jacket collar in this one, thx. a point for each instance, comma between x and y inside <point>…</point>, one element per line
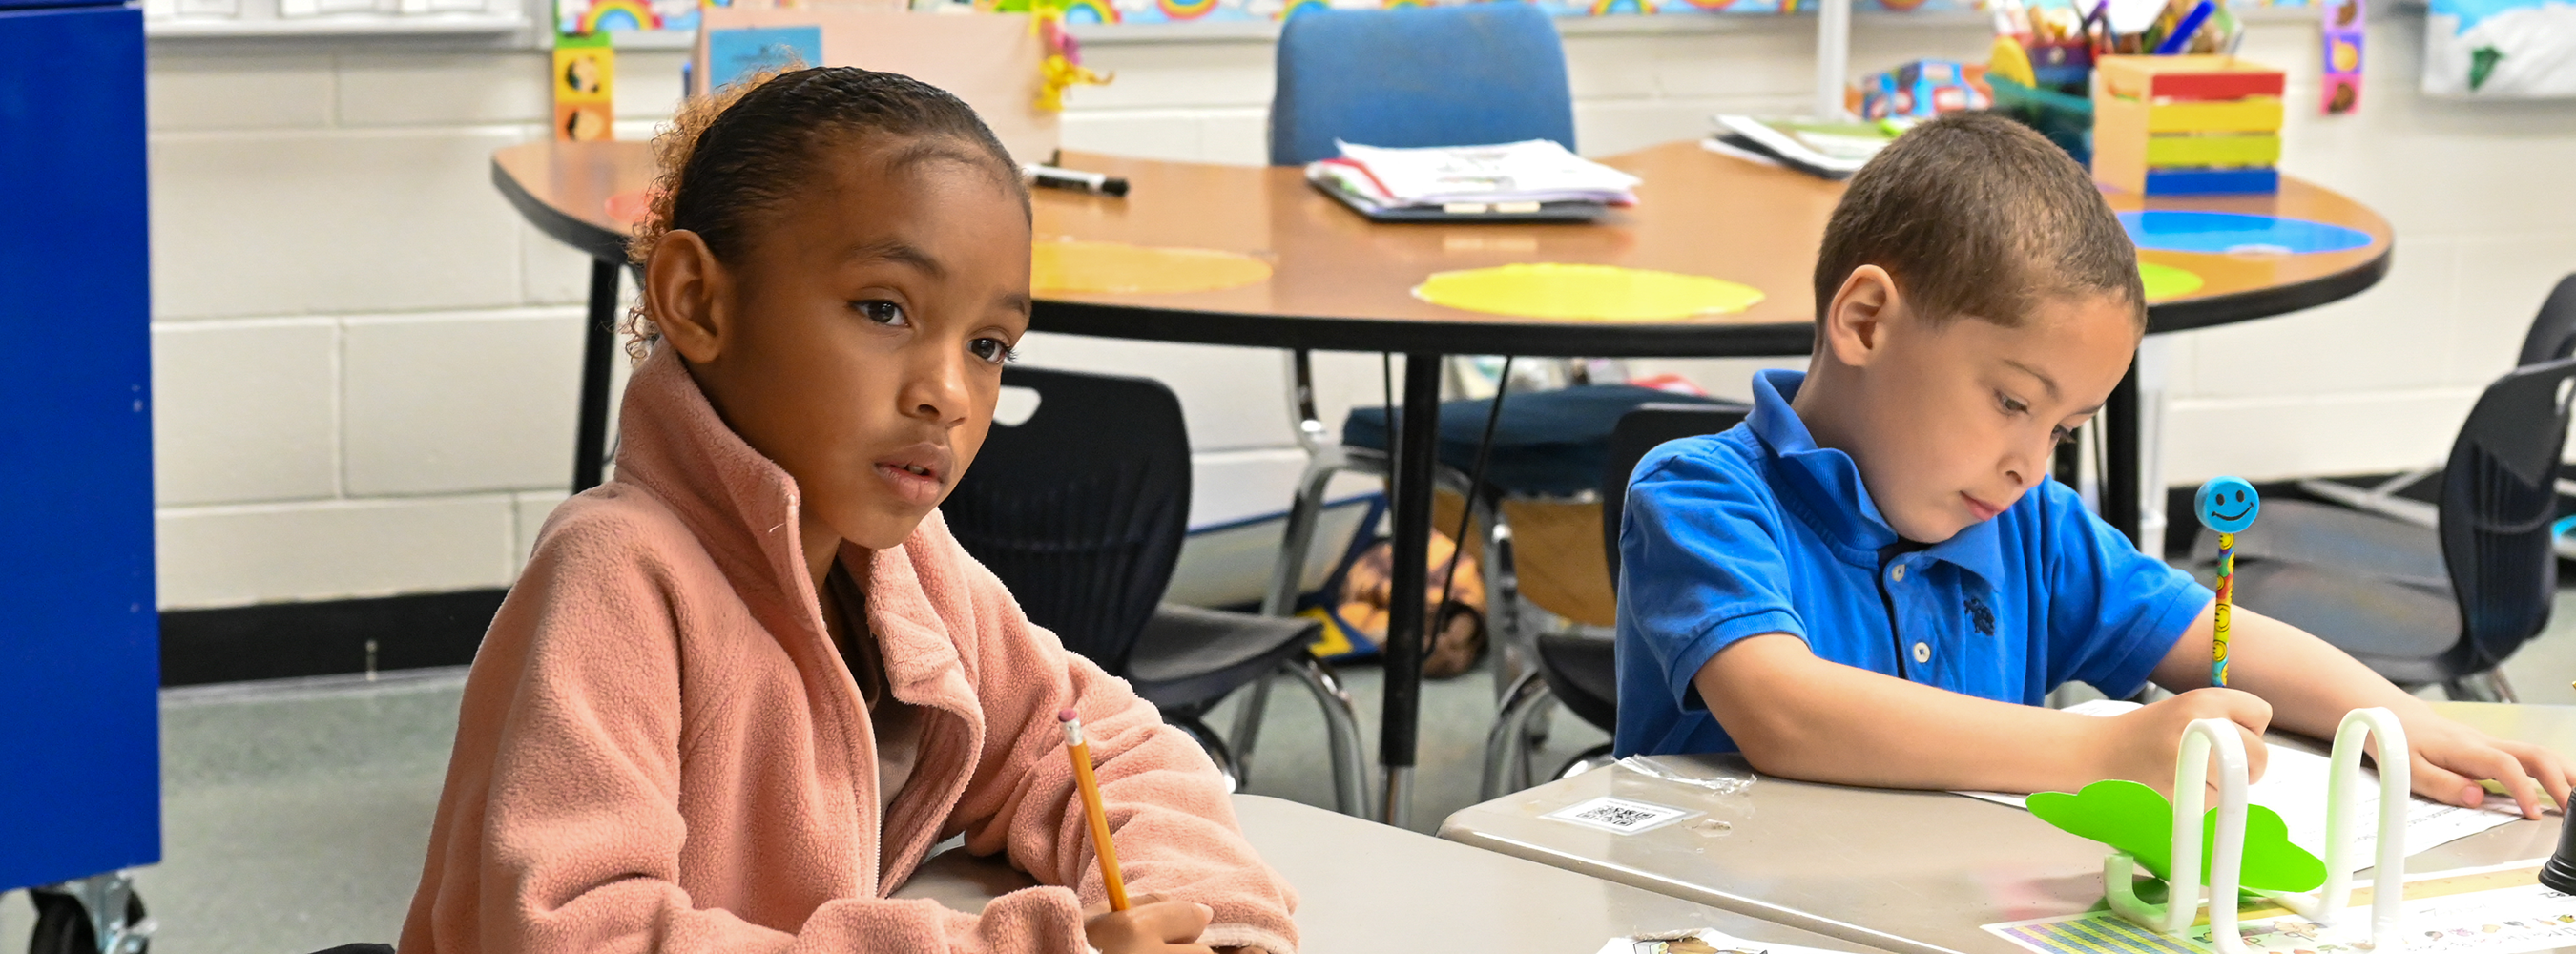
<point>743,508</point>
<point>1823,485</point>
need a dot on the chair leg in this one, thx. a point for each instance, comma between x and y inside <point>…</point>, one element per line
<point>1507,744</point>
<point>2488,686</point>
<point>2497,685</point>
<point>1285,578</point>
<point>1210,742</point>
<point>1342,734</point>
<point>1247,724</point>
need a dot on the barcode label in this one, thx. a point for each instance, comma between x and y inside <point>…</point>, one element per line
<point>1619,815</point>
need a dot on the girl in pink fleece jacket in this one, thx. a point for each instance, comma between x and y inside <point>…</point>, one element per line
<point>742,688</point>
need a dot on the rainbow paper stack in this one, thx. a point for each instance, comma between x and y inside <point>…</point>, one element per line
<point>2186,125</point>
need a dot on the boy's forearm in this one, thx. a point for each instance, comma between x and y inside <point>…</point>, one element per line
<point>1798,716</point>
<point>2310,683</point>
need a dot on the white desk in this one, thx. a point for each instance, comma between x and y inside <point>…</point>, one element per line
<point>1365,888</point>
<point>1917,872</point>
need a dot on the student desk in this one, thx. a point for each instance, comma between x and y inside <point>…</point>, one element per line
<point>1341,283</point>
<point>1364,888</point>
<point>1918,872</point>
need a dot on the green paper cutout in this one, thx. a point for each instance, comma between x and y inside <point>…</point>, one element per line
<point>2135,819</point>
<point>2166,281</point>
<point>2482,63</point>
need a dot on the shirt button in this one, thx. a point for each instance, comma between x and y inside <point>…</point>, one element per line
<point>1897,574</point>
<point>1922,652</point>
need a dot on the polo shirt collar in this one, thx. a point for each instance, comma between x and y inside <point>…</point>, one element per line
<point>1824,484</point>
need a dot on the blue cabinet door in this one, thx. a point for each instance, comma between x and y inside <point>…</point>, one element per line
<point>80,787</point>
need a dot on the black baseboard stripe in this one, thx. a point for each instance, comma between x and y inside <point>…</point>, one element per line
<point>329,637</point>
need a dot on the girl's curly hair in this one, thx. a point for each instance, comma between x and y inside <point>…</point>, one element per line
<point>744,151</point>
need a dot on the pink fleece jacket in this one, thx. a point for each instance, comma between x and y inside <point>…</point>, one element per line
<point>660,749</point>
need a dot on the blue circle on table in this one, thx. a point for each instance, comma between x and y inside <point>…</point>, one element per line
<point>2226,504</point>
<point>2222,233</point>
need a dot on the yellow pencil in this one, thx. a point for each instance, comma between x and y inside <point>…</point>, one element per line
<point>1089,786</point>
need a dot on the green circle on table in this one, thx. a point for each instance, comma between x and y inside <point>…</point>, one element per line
<point>2166,281</point>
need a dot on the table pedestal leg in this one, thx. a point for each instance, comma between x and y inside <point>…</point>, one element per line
<point>2120,491</point>
<point>598,341</point>
<point>1417,449</point>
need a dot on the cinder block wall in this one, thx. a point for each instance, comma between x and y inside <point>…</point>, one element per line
<point>365,364</point>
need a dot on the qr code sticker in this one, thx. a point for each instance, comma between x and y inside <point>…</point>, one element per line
<point>1619,815</point>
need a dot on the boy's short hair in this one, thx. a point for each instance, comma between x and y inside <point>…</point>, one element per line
<point>1976,215</point>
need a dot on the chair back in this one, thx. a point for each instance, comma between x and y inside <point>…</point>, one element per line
<point>1463,75</point>
<point>1639,432</point>
<point>1080,509</point>
<point>2499,495</point>
<point>2553,331</point>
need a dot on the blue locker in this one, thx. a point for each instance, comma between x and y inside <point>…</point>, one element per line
<point>80,785</point>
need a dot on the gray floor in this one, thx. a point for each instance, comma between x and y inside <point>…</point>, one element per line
<point>295,815</point>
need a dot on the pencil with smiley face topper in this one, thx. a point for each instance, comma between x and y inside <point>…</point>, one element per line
<point>2227,506</point>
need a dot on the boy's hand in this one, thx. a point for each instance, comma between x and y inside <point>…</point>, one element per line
<point>2450,758</point>
<point>2143,744</point>
<point>1150,925</point>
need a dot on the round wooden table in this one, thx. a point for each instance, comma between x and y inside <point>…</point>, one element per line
<point>1341,283</point>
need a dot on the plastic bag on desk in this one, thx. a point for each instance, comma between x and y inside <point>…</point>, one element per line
<point>1717,781</point>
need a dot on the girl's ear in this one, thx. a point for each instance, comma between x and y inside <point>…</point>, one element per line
<point>1856,323</point>
<point>685,293</point>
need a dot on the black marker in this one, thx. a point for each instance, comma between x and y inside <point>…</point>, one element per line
<point>1050,177</point>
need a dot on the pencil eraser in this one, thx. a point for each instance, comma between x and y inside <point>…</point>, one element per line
<point>1067,715</point>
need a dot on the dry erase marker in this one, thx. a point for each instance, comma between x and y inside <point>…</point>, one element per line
<point>2226,505</point>
<point>1089,786</point>
<point>1050,177</point>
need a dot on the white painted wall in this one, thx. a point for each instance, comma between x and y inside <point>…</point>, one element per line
<point>366,364</point>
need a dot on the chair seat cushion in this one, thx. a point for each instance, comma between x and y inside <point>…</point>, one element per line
<point>1582,670</point>
<point>1189,657</point>
<point>1548,443</point>
<point>2402,631</point>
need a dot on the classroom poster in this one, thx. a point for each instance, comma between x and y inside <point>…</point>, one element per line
<point>585,82</point>
<point>2500,49</point>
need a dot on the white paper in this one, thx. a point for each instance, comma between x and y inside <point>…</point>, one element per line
<point>2294,784</point>
<point>1538,170</point>
<point>1678,942</point>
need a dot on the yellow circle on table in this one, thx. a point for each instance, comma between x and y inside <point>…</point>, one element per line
<point>2166,281</point>
<point>1599,292</point>
<point>1120,268</point>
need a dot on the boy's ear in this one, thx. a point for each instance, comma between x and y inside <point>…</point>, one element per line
<point>685,291</point>
<point>1856,323</point>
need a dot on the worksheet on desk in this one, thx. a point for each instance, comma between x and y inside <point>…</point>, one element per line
<point>2294,784</point>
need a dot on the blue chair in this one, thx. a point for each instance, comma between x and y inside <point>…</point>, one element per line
<point>1418,76</point>
<point>1436,76</point>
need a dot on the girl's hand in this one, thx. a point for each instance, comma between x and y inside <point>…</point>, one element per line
<point>1150,925</point>
<point>2143,744</point>
<point>2451,758</point>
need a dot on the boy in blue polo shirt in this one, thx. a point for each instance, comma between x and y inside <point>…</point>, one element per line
<point>1873,581</point>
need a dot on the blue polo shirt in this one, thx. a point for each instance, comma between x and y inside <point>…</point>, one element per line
<point>1758,530</point>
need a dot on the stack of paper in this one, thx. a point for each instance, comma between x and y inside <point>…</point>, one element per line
<point>1833,150</point>
<point>1506,178</point>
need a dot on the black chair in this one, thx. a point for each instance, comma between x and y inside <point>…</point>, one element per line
<point>2422,606</point>
<point>2552,336</point>
<point>1080,510</point>
<point>1578,669</point>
